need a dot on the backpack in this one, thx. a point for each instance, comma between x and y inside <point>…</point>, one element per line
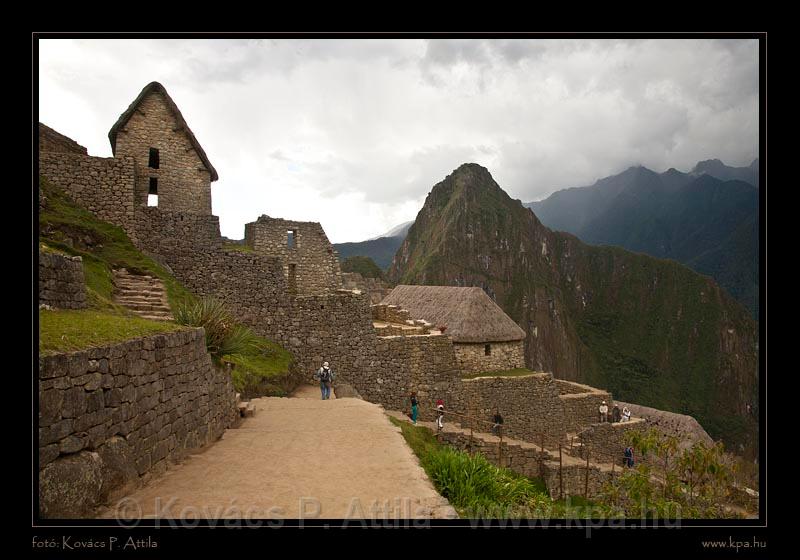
<point>325,375</point>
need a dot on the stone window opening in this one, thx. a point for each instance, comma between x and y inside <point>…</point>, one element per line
<point>154,159</point>
<point>152,192</point>
<point>291,238</point>
<point>487,350</point>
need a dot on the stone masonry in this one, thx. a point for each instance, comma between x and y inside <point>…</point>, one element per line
<point>183,180</point>
<point>52,141</point>
<point>581,404</point>
<point>111,417</point>
<point>529,405</point>
<point>311,264</point>
<point>473,358</point>
<point>104,186</point>
<point>61,281</point>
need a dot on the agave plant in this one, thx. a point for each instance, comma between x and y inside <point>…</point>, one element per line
<point>223,334</point>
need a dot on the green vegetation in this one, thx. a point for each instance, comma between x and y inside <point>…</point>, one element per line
<point>517,372</point>
<point>223,335</point>
<point>78,329</point>
<point>264,371</point>
<point>237,247</point>
<point>479,490</point>
<point>67,228</point>
<point>651,331</point>
<point>691,483</point>
<point>365,266</point>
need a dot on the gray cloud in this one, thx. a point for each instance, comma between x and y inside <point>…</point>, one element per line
<point>354,133</point>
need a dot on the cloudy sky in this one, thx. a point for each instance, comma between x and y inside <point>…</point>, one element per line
<point>354,133</point>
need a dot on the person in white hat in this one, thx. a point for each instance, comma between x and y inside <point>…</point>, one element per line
<point>325,377</point>
<point>604,412</point>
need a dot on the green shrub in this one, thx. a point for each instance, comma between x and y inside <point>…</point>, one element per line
<point>223,335</point>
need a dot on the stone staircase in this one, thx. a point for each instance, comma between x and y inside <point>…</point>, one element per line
<point>144,295</point>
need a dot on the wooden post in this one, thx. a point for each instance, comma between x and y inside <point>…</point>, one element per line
<point>500,450</point>
<point>586,488</point>
<point>560,475</point>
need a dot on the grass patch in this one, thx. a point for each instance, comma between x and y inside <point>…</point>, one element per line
<point>79,329</point>
<point>517,372</point>
<point>264,371</point>
<point>478,489</point>
<point>237,247</point>
<point>66,228</point>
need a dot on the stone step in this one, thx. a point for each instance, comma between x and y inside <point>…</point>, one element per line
<point>148,308</point>
<point>139,293</point>
<point>140,287</point>
<point>157,317</point>
<point>140,299</point>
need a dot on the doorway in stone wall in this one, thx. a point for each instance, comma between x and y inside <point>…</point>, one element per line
<point>292,278</point>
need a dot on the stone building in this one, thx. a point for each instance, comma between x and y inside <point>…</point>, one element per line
<point>484,337</point>
<point>311,264</point>
<point>172,169</point>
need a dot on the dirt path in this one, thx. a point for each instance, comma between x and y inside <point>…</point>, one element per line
<point>298,458</point>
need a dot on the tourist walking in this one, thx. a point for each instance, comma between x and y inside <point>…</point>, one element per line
<point>498,423</point>
<point>325,376</point>
<point>626,414</point>
<point>604,412</point>
<point>628,461</point>
<point>439,415</point>
<point>615,414</point>
<point>414,407</point>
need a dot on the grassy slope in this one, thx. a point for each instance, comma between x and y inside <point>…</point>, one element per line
<point>68,330</point>
<point>65,227</point>
<point>365,266</point>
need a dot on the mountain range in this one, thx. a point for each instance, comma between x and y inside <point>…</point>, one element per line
<point>706,219</point>
<point>380,249</point>
<point>650,330</point>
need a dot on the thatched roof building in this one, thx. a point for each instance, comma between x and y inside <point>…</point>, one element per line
<point>468,313</point>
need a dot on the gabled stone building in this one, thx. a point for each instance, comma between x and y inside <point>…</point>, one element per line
<point>169,162</point>
<point>484,337</point>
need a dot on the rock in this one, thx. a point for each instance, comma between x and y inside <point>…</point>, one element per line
<point>73,444</point>
<point>345,391</point>
<point>118,473</point>
<point>71,487</point>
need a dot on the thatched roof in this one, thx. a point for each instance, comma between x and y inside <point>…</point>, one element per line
<point>468,313</point>
<point>155,87</point>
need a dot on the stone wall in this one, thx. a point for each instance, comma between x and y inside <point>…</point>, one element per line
<point>526,461</point>
<point>52,141</point>
<point>252,286</point>
<point>582,409</point>
<point>502,356</point>
<point>311,264</point>
<point>532,462</point>
<point>424,364</point>
<point>375,287</point>
<point>112,417</point>
<point>104,186</point>
<point>61,281</point>
<point>529,404</point>
<point>184,183</point>
<point>684,427</point>
<point>606,441</point>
